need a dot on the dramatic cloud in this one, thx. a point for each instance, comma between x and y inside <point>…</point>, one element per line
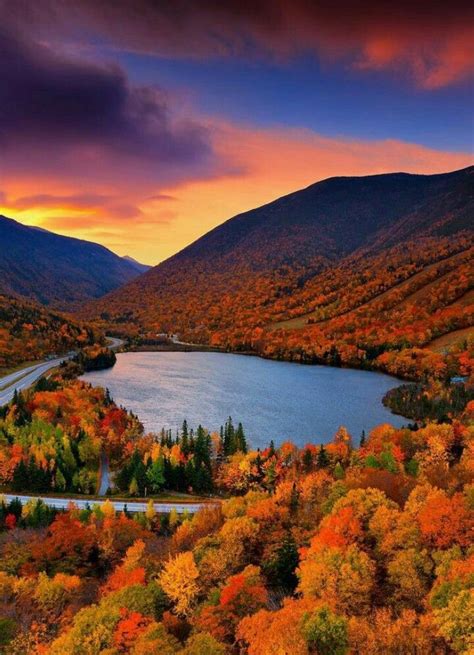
<point>85,151</point>
<point>431,40</point>
<point>80,119</point>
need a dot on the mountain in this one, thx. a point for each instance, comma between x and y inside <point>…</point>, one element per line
<point>141,268</point>
<point>30,332</point>
<point>279,278</point>
<point>56,270</point>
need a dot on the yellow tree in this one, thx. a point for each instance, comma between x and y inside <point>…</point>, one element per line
<point>179,581</point>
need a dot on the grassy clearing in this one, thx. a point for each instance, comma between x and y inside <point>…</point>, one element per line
<point>300,322</point>
<point>441,344</point>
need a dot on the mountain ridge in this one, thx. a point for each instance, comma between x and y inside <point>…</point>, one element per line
<point>322,255</point>
<point>56,270</point>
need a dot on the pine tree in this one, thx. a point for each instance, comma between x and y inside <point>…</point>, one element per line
<point>22,416</point>
<point>240,440</point>
<point>20,477</point>
<point>362,439</point>
<point>229,438</point>
<point>184,439</point>
<point>307,460</point>
<point>280,570</point>
<point>323,458</point>
<point>294,499</point>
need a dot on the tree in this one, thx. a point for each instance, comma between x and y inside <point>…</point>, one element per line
<point>280,569</point>
<point>155,475</point>
<point>242,594</point>
<point>150,512</point>
<point>326,632</point>
<point>202,643</point>
<point>456,622</point>
<point>344,578</point>
<point>275,632</point>
<point>229,438</point>
<point>322,458</point>
<point>179,581</point>
<point>240,439</point>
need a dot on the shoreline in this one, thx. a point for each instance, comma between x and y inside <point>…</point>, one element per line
<point>182,347</point>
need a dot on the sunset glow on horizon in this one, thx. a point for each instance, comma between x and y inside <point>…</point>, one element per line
<point>144,139</point>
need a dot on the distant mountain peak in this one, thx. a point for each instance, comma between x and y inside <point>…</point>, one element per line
<point>138,265</point>
<point>57,270</point>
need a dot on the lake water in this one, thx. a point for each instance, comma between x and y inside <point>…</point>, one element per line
<point>274,400</point>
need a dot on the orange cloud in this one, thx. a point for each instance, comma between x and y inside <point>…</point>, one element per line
<point>271,162</point>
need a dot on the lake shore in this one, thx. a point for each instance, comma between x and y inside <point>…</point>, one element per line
<point>273,399</point>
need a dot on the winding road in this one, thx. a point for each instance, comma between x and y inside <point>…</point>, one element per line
<point>25,377</point>
<point>132,506</point>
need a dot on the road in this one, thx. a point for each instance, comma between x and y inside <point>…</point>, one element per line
<point>24,378</point>
<point>132,506</point>
<point>105,482</point>
<point>114,343</point>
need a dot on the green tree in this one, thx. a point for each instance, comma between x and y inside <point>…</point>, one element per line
<point>156,475</point>
<point>326,632</point>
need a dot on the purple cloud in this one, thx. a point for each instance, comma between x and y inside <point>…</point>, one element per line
<point>74,117</point>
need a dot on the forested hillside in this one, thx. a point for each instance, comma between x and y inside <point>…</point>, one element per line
<point>359,547</point>
<point>56,270</point>
<point>30,332</point>
<point>340,272</point>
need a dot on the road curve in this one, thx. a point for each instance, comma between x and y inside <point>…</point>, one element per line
<point>24,378</point>
<point>114,343</point>
<point>132,506</point>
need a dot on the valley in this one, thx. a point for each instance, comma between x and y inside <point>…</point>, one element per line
<point>236,328</point>
<point>115,469</point>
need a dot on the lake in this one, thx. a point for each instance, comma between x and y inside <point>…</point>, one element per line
<point>274,400</point>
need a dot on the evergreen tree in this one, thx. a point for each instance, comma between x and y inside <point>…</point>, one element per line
<point>362,439</point>
<point>307,460</point>
<point>280,569</point>
<point>108,399</point>
<point>240,440</point>
<point>229,438</point>
<point>20,477</point>
<point>22,415</point>
<point>323,458</point>
<point>294,499</point>
<point>180,477</point>
<point>155,475</point>
<point>184,439</point>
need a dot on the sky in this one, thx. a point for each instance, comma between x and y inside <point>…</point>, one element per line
<point>142,124</point>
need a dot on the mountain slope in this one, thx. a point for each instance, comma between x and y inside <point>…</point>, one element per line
<point>30,332</point>
<point>56,270</point>
<point>318,254</point>
<point>141,268</point>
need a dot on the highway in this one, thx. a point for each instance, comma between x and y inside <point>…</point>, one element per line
<point>24,378</point>
<point>132,506</point>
